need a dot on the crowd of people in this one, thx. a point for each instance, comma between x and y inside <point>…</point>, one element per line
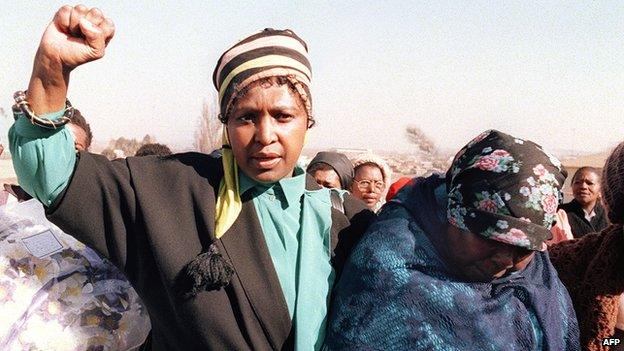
<point>243,249</point>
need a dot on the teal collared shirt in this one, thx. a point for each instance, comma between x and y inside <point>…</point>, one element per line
<point>43,159</point>
<point>296,224</point>
<point>278,206</point>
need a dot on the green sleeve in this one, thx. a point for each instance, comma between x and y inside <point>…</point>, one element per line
<point>43,159</point>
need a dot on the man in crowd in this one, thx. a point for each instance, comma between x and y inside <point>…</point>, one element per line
<point>153,149</point>
<point>81,131</point>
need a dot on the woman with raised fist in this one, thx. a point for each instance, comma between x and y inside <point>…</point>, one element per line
<point>231,253</point>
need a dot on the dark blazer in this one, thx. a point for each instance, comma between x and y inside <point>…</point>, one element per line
<point>580,225</point>
<point>151,216</point>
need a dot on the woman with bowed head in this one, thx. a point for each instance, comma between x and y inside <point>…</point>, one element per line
<point>459,262</point>
<point>237,252</point>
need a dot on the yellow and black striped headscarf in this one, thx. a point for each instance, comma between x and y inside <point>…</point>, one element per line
<point>269,53</point>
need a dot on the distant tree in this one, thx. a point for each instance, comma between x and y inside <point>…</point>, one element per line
<point>119,142</point>
<point>417,137</point>
<point>148,139</point>
<point>127,145</point>
<point>109,153</point>
<point>209,129</point>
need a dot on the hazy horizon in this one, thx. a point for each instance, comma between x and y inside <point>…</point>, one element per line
<point>547,71</point>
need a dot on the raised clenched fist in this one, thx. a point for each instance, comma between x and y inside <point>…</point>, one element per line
<point>75,36</point>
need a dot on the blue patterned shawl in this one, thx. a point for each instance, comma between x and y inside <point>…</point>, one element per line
<point>395,293</point>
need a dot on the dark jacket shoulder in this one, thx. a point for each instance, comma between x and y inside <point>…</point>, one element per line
<point>176,165</point>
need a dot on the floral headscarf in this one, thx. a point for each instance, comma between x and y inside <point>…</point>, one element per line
<point>505,189</point>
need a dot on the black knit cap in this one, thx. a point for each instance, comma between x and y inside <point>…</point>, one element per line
<point>339,162</point>
<point>506,189</point>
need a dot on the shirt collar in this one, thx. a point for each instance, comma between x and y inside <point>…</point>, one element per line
<point>590,215</point>
<point>292,187</point>
<point>244,182</point>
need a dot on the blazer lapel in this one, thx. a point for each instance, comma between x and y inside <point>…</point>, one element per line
<point>247,250</point>
<point>339,221</point>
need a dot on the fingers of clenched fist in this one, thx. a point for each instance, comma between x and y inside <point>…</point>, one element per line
<point>90,23</point>
<point>61,18</point>
<point>77,13</point>
<point>109,29</point>
<point>82,22</point>
<point>95,16</point>
<point>78,35</point>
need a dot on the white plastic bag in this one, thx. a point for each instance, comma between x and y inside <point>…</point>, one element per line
<point>58,294</point>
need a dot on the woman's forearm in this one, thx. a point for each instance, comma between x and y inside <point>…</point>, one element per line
<point>47,90</point>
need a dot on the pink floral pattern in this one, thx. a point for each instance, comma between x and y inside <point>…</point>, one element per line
<point>540,171</point>
<point>487,163</point>
<point>509,190</point>
<point>515,237</point>
<point>542,193</point>
<point>501,153</point>
<point>549,204</point>
<point>492,203</point>
<point>497,161</point>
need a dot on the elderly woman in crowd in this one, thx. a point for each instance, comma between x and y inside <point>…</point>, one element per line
<point>232,253</point>
<point>458,262</point>
<point>371,178</point>
<point>585,212</point>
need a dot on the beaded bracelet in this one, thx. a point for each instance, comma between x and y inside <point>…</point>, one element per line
<point>21,105</point>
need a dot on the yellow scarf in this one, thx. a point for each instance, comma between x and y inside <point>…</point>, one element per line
<point>229,204</point>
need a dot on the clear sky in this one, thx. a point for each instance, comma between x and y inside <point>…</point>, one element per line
<point>552,72</point>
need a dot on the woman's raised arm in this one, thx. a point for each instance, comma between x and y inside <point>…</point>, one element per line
<point>44,159</point>
<point>75,36</point>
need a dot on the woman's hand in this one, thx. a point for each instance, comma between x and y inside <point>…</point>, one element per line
<point>561,231</point>
<point>75,36</point>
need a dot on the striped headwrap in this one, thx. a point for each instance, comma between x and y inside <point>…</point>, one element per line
<point>270,53</point>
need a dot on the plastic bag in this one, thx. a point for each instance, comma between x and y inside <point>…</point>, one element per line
<point>58,294</point>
